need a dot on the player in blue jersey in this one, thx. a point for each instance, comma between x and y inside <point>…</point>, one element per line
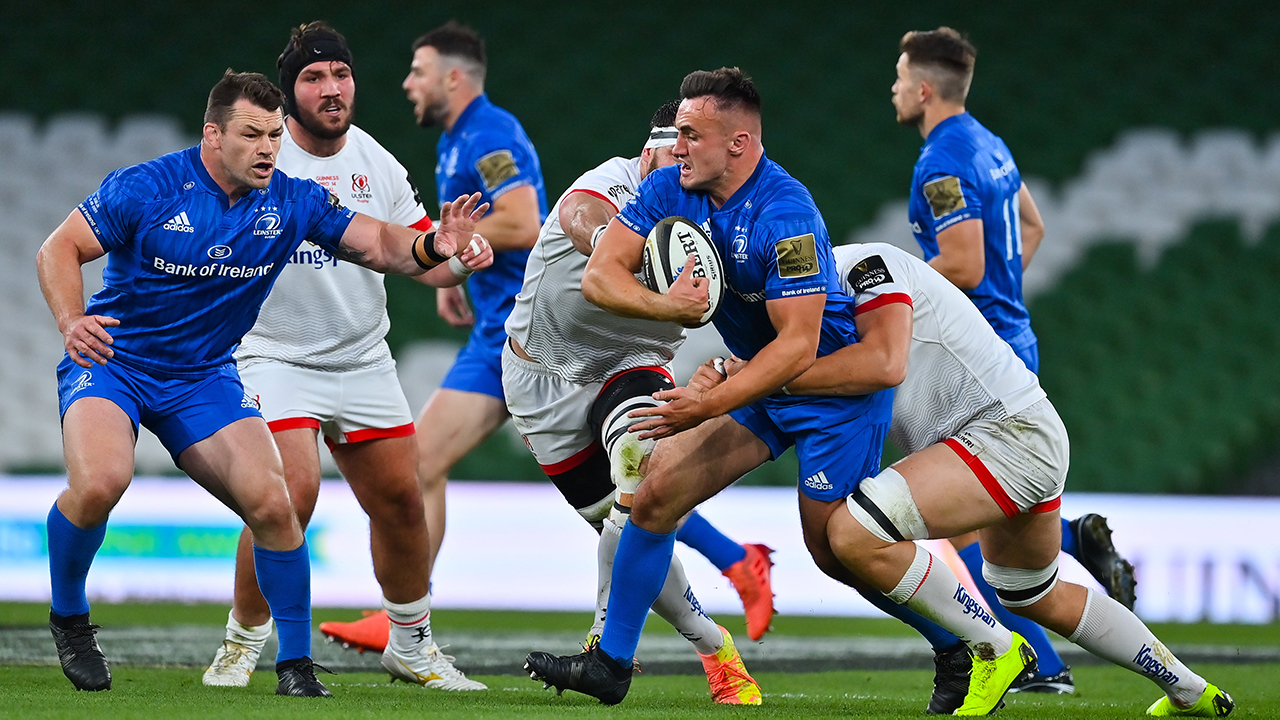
<point>195,240</point>
<point>483,149</point>
<point>979,227</point>
<point>784,307</point>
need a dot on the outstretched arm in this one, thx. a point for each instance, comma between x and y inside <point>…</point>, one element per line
<point>390,248</point>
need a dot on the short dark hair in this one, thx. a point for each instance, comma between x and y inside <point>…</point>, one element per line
<point>666,115</point>
<point>251,86</point>
<point>729,86</point>
<point>457,41</point>
<point>947,55</point>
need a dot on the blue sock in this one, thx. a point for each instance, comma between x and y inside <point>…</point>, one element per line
<point>71,551</point>
<point>702,536</point>
<point>939,637</point>
<point>1050,663</point>
<point>1069,544</point>
<point>640,565</point>
<point>285,580</point>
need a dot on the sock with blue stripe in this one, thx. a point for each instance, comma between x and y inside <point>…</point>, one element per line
<point>640,566</point>
<point>1069,544</point>
<point>71,551</point>
<point>285,580</point>
<point>702,536</point>
<point>1050,663</point>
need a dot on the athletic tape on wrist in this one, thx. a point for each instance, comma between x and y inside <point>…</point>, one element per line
<point>595,235</point>
<point>460,271</point>
<point>427,241</point>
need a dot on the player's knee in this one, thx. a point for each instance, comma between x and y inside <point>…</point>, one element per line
<point>884,506</point>
<point>97,494</point>
<point>1018,588</point>
<point>629,391</point>
<point>271,515</point>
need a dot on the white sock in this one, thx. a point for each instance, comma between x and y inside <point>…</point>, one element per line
<point>677,605</point>
<point>254,636</point>
<point>1110,631</point>
<point>604,566</point>
<point>410,624</point>
<point>932,590</point>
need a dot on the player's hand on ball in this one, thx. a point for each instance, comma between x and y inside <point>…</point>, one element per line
<point>683,410</point>
<point>458,223</point>
<point>87,340</point>
<point>688,297</point>
<point>478,254</point>
<point>452,306</point>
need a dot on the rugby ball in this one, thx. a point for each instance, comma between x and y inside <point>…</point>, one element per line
<point>668,247</point>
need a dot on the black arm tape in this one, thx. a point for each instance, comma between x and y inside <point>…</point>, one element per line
<point>624,386</point>
<point>428,243</point>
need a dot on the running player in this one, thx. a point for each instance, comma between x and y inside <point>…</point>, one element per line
<point>572,370</point>
<point>316,361</point>
<point>985,449</point>
<point>979,227</point>
<point>195,240</point>
<point>483,149</point>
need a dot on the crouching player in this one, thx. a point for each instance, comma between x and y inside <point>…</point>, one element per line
<point>986,451</point>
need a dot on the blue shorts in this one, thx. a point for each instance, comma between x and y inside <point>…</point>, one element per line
<point>837,450</point>
<point>181,412</point>
<point>478,368</point>
<point>1027,348</point>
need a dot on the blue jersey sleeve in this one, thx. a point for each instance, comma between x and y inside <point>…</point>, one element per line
<point>797,258</point>
<point>950,196</point>
<point>117,207</point>
<point>327,219</point>
<point>500,163</point>
<point>651,203</point>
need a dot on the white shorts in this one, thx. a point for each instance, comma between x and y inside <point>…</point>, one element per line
<point>551,413</point>
<point>1021,460</point>
<point>347,407</point>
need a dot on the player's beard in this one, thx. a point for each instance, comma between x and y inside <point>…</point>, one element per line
<point>914,120</point>
<point>312,124</point>
<point>434,113</point>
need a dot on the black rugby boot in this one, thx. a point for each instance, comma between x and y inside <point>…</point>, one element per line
<point>952,667</point>
<point>82,660</point>
<point>591,673</point>
<point>1100,557</point>
<point>298,679</point>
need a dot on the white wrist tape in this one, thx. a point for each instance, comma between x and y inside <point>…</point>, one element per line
<point>459,270</point>
<point>595,235</point>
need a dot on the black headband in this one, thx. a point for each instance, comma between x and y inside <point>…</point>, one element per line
<point>311,48</point>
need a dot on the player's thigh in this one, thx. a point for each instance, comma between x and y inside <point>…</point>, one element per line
<point>98,440</point>
<point>300,455</point>
<point>688,468</point>
<point>240,465</point>
<point>950,498</point>
<point>1029,541</point>
<point>814,517</point>
<point>383,476</point>
<point>452,424</point>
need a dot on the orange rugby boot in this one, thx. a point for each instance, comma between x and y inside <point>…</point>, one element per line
<point>750,577</point>
<point>371,633</point>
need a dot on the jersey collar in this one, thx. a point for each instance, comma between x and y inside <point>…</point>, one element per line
<point>481,101</point>
<point>935,133</point>
<point>741,194</point>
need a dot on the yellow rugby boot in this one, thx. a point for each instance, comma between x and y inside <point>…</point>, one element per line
<point>1213,703</point>
<point>727,676</point>
<point>991,678</point>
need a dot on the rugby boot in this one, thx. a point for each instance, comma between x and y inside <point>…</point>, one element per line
<point>298,679</point>
<point>727,676</point>
<point>1099,556</point>
<point>591,673</point>
<point>371,633</point>
<point>951,668</point>
<point>751,578</point>
<point>992,677</point>
<point>429,668</point>
<point>1061,683</point>
<point>82,660</point>
<point>1213,703</point>
<point>232,664</point>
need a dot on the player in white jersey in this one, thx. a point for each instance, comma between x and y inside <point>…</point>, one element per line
<point>316,361</point>
<point>571,371</point>
<point>987,452</point>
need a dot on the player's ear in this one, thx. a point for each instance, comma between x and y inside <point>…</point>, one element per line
<point>739,143</point>
<point>213,135</point>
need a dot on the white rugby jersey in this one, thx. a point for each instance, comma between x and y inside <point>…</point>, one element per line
<point>557,326</point>
<point>323,313</point>
<point>958,369</point>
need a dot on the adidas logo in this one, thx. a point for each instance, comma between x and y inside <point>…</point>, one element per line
<point>818,482</point>
<point>179,223</point>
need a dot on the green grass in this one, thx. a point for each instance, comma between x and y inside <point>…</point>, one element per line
<point>138,692</point>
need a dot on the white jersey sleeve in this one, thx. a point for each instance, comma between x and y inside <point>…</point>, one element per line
<point>557,326</point>
<point>323,313</point>
<point>958,369</point>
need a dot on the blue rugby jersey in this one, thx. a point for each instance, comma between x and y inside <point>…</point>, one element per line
<point>966,172</point>
<point>487,151</point>
<point>774,244</point>
<point>186,274</point>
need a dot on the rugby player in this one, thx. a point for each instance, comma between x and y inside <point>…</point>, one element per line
<point>571,371</point>
<point>195,240</point>
<point>483,149</point>
<point>784,307</point>
<point>316,361</point>
<point>978,226</point>
<point>985,450</point>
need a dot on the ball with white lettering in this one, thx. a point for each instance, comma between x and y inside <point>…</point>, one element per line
<point>668,246</point>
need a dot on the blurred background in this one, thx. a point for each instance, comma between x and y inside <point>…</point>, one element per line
<point>1146,131</point>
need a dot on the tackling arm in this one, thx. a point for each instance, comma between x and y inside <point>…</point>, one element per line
<point>389,248</point>
<point>581,214</point>
<point>876,362</point>
<point>58,267</point>
<point>1032,225</point>
<point>961,255</point>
